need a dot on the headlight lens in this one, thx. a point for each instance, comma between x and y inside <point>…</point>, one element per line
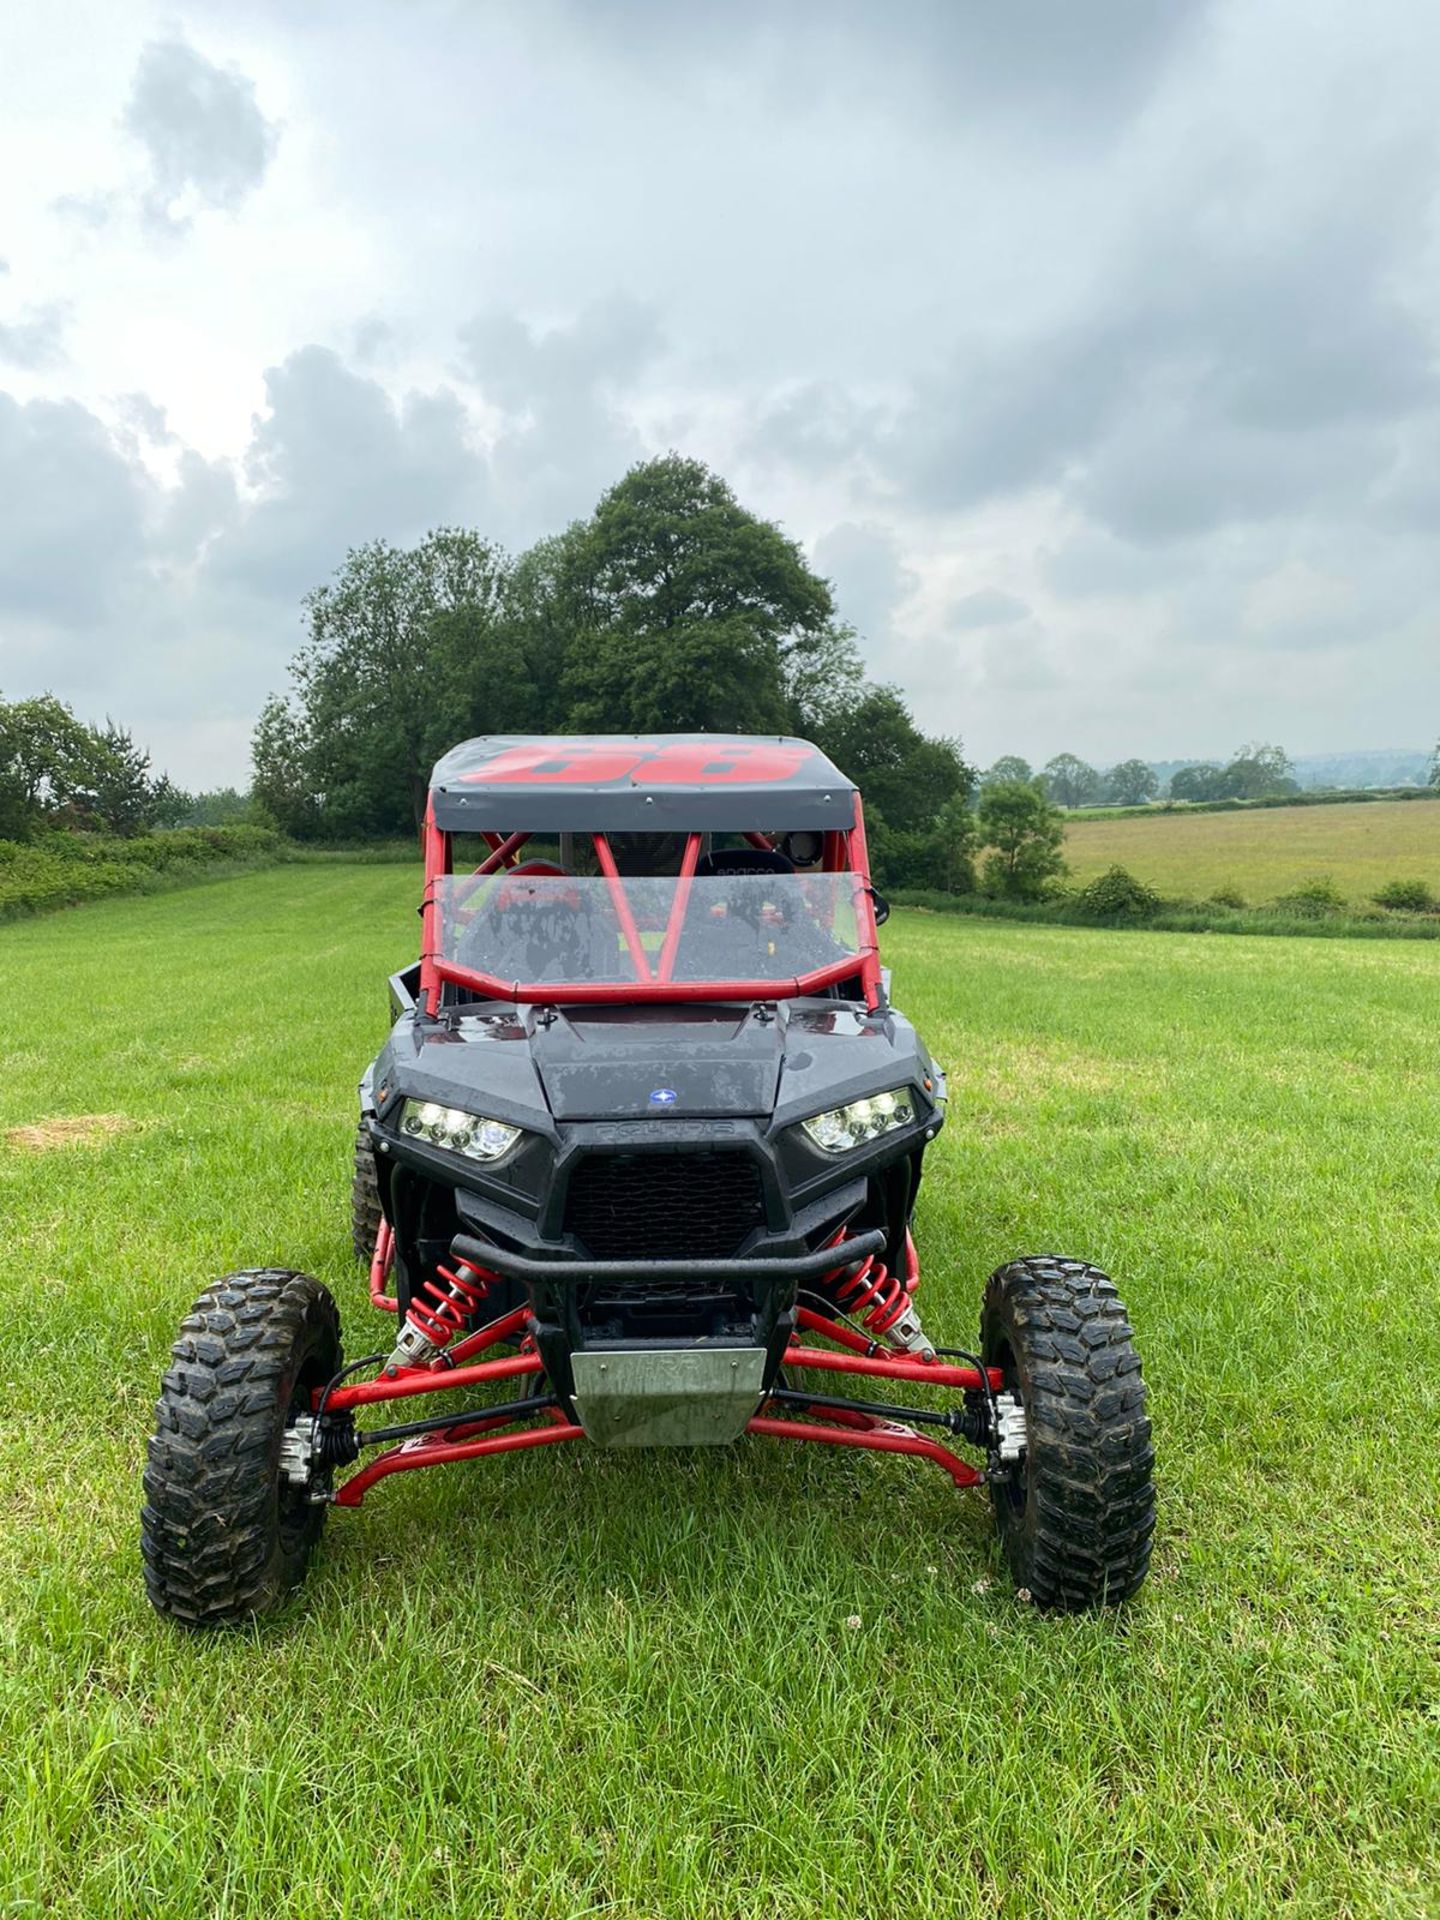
<point>468,1133</point>
<point>845,1127</point>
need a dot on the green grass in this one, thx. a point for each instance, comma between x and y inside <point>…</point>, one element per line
<point>1266,852</point>
<point>620,1683</point>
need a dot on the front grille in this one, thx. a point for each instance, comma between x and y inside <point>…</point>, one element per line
<point>664,1206</point>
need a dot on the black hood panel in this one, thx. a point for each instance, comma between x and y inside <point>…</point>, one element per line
<point>630,1063</point>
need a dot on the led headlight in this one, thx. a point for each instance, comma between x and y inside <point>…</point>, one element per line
<point>846,1127</point>
<point>468,1133</point>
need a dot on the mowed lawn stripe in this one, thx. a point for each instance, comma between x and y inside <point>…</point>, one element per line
<point>628,1683</point>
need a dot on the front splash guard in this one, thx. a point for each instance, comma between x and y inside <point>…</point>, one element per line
<point>667,1396</point>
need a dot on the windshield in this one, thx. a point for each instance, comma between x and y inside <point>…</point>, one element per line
<point>536,929</point>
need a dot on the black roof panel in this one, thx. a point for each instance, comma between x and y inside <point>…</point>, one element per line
<point>619,782</point>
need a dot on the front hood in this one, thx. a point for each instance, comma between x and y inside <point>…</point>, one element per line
<point>618,1063</point>
<point>530,1066</point>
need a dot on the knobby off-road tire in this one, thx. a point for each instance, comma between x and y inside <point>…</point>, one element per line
<point>223,1536</point>
<point>1076,1518</point>
<point>364,1199</point>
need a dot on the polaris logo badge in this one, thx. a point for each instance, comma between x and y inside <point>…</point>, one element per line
<point>663,1097</point>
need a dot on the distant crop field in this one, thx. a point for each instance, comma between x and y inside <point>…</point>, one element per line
<point>1265,853</point>
<point>751,1681</point>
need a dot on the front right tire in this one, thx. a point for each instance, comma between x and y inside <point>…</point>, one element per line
<point>365,1212</point>
<point>1076,1512</point>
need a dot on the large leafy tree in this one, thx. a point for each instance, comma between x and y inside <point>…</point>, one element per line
<point>684,610</point>
<point>671,608</point>
<point>1009,766</point>
<point>1071,781</point>
<point>1259,771</point>
<point>1131,784</point>
<point>408,652</point>
<point>1204,781</point>
<point>43,752</point>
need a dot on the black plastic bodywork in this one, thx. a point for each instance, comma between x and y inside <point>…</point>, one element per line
<point>654,1131</point>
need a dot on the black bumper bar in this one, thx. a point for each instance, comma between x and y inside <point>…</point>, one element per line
<point>762,1266</point>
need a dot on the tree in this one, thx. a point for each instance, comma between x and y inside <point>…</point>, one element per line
<point>1008,767</point>
<point>824,679</point>
<point>951,853</point>
<point>684,609</point>
<point>1025,831</point>
<point>1434,777</point>
<point>108,782</point>
<point>1131,784</point>
<point>283,788</point>
<point>1256,772</point>
<point>906,777</point>
<point>1070,781</point>
<point>43,752</point>
<point>670,608</point>
<point>1259,771</point>
<point>407,654</point>
<point>1205,781</point>
<point>55,769</point>
<point>172,806</point>
<point>217,807</point>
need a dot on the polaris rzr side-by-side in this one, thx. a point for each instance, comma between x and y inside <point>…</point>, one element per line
<point>638,1165</point>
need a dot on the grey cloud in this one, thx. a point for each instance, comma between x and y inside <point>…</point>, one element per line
<point>863,562</point>
<point>566,434</point>
<point>72,534</point>
<point>815,428</point>
<point>1075,66</point>
<point>205,137</point>
<point>202,506</point>
<point>34,340</point>
<point>604,348</point>
<point>1216,378</point>
<point>336,461</point>
<point>987,608</point>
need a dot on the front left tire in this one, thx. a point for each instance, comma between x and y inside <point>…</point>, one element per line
<point>224,1534</point>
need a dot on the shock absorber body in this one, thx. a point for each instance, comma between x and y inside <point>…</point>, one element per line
<point>881,1301</point>
<point>438,1310</point>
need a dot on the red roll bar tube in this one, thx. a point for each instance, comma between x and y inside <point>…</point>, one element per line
<point>621,903</point>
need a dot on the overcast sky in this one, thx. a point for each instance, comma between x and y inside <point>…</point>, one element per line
<point>1089,346</point>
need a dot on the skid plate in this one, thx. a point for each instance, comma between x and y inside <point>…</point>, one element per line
<point>667,1397</point>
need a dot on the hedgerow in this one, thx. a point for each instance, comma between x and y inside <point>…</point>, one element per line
<point>68,869</point>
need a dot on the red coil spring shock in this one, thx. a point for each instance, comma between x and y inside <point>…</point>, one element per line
<point>437,1313</point>
<point>871,1294</point>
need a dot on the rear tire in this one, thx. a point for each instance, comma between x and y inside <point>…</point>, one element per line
<point>1077,1514</point>
<point>364,1199</point>
<point>224,1535</point>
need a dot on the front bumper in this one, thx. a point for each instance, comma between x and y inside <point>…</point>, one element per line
<point>764,1266</point>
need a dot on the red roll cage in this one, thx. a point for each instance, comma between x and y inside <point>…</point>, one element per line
<point>844,851</point>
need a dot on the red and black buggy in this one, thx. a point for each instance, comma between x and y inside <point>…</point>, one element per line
<point>638,1165</point>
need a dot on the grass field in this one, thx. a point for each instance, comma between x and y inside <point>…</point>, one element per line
<point>1265,853</point>
<point>627,1684</point>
